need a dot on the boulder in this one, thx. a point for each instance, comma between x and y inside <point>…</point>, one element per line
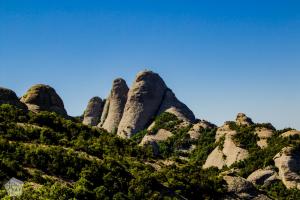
<point>93,112</point>
<point>215,159</point>
<point>290,133</point>
<point>288,163</point>
<point>172,105</point>
<point>263,134</point>
<point>8,96</point>
<point>152,140</point>
<point>114,106</point>
<point>43,98</point>
<point>161,135</point>
<point>263,177</point>
<point>240,188</point>
<point>143,102</point>
<point>242,119</point>
<point>195,131</point>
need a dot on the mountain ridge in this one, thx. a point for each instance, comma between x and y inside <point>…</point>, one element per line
<point>160,152</point>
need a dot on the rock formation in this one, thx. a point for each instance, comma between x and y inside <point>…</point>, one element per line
<point>43,98</point>
<point>240,188</point>
<point>242,119</point>
<point>148,97</point>
<point>172,105</point>
<point>195,131</point>
<point>263,134</point>
<point>227,152</point>
<point>288,163</point>
<point>263,177</point>
<point>152,140</point>
<point>143,102</point>
<point>114,106</point>
<point>224,130</point>
<point>8,96</point>
<point>93,111</point>
<point>290,133</point>
<point>161,135</point>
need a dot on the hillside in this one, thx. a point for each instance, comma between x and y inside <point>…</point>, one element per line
<point>140,143</point>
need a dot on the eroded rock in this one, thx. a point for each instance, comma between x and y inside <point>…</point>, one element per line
<point>240,188</point>
<point>93,112</point>
<point>227,152</point>
<point>143,102</point>
<point>114,106</point>
<point>263,177</point>
<point>172,105</point>
<point>43,98</point>
<point>242,119</point>
<point>263,134</point>
<point>288,163</point>
<point>8,96</point>
<point>290,133</point>
<point>201,125</point>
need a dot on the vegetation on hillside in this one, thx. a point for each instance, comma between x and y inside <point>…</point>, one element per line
<point>59,158</point>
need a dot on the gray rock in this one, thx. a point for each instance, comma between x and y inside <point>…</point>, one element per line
<point>93,112</point>
<point>43,98</point>
<point>114,106</point>
<point>143,102</point>
<point>288,163</point>
<point>172,105</point>
<point>8,96</point>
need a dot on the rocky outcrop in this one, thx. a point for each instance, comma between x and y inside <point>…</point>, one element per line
<point>227,152</point>
<point>242,119</point>
<point>172,105</point>
<point>152,140</point>
<point>161,135</point>
<point>215,159</point>
<point>263,134</point>
<point>8,96</point>
<point>288,163</point>
<point>114,106</point>
<point>143,102</point>
<point>240,188</point>
<point>290,133</point>
<point>201,125</point>
<point>224,130</point>
<point>263,177</point>
<point>43,98</point>
<point>93,112</point>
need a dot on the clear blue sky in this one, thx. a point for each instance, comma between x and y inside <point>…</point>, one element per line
<point>219,57</point>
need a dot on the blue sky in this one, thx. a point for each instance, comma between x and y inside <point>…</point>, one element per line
<point>219,57</point>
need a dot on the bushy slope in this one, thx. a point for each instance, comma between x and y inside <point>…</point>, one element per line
<point>63,159</point>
